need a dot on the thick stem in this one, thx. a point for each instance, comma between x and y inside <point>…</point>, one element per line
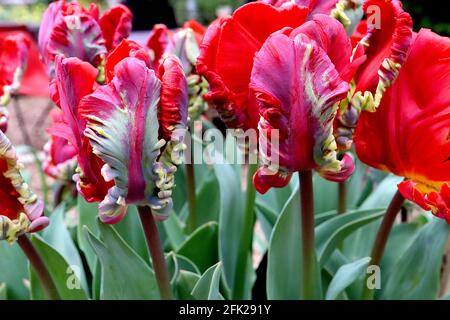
<point>190,177</point>
<point>307,223</point>
<point>39,267</point>
<point>342,197</point>
<point>156,252</point>
<point>248,223</point>
<point>382,237</point>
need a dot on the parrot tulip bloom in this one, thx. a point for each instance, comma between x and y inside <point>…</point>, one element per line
<point>69,29</point>
<point>124,131</point>
<point>408,135</point>
<point>13,60</point>
<point>227,52</point>
<point>20,211</point>
<point>60,155</point>
<point>298,78</point>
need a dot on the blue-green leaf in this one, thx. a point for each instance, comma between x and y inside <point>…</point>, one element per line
<point>13,270</point>
<point>207,287</point>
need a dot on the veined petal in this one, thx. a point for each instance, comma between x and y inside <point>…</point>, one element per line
<point>386,47</point>
<point>19,206</point>
<point>74,80</point>
<point>227,52</point>
<point>297,88</point>
<point>115,24</point>
<point>122,126</point>
<point>13,61</point>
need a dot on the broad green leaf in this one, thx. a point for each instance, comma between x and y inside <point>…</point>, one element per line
<point>202,246</point>
<point>174,230</point>
<point>332,232</point>
<point>207,287</point>
<point>13,270</point>
<point>130,229</point>
<point>322,217</point>
<point>325,194</point>
<point>359,244</point>
<point>3,293</point>
<point>65,276</point>
<point>284,270</point>
<point>346,275</point>
<point>97,280</point>
<point>187,264</point>
<point>87,213</point>
<point>230,223</point>
<point>58,236</point>
<point>185,284</point>
<point>125,275</point>
<point>417,272</point>
<point>355,185</point>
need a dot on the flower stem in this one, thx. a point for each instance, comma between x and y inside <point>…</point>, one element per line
<point>307,240</point>
<point>39,267</point>
<point>156,252</point>
<point>342,197</point>
<point>246,242</point>
<point>190,177</point>
<point>382,237</point>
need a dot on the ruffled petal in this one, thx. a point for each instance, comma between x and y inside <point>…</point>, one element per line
<point>115,24</point>
<point>197,27</point>
<point>157,42</point>
<point>13,61</point>
<point>297,88</point>
<point>408,135</point>
<point>227,52</point>
<point>122,126</point>
<point>347,169</point>
<point>386,47</point>
<point>20,207</point>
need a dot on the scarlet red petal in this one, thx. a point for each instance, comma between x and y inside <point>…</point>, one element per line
<point>116,25</point>
<point>157,42</point>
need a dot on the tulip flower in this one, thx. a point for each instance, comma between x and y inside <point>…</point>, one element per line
<point>70,30</point>
<point>60,155</point>
<point>315,6</point>
<point>21,211</point>
<point>13,60</point>
<point>298,96</point>
<point>227,52</point>
<point>408,134</point>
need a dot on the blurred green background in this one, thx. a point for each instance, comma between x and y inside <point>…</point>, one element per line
<point>425,13</point>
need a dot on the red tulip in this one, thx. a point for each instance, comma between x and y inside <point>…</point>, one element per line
<point>73,31</point>
<point>13,60</point>
<point>20,210</point>
<point>408,135</point>
<point>60,155</point>
<point>227,52</point>
<point>298,78</point>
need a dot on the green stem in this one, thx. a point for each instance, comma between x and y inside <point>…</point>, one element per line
<point>190,177</point>
<point>307,224</point>
<point>39,267</point>
<point>156,252</point>
<point>342,197</point>
<point>382,237</point>
<point>248,222</point>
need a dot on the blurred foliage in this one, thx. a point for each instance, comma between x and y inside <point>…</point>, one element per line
<point>429,14</point>
<point>206,8</point>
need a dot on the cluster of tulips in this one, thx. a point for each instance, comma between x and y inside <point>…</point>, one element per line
<point>359,102</point>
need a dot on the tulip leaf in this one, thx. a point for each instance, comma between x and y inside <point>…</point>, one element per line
<point>202,246</point>
<point>174,231</point>
<point>87,213</point>
<point>285,270</point>
<point>332,232</point>
<point>65,276</point>
<point>417,273</point>
<point>230,224</point>
<point>207,287</point>
<point>345,276</point>
<point>185,283</point>
<point>57,235</point>
<point>125,275</point>
<point>325,194</point>
<point>13,271</point>
<point>359,244</point>
<point>3,292</point>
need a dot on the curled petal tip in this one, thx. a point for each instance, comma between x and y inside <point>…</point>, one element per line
<point>347,169</point>
<point>264,179</point>
<point>39,224</point>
